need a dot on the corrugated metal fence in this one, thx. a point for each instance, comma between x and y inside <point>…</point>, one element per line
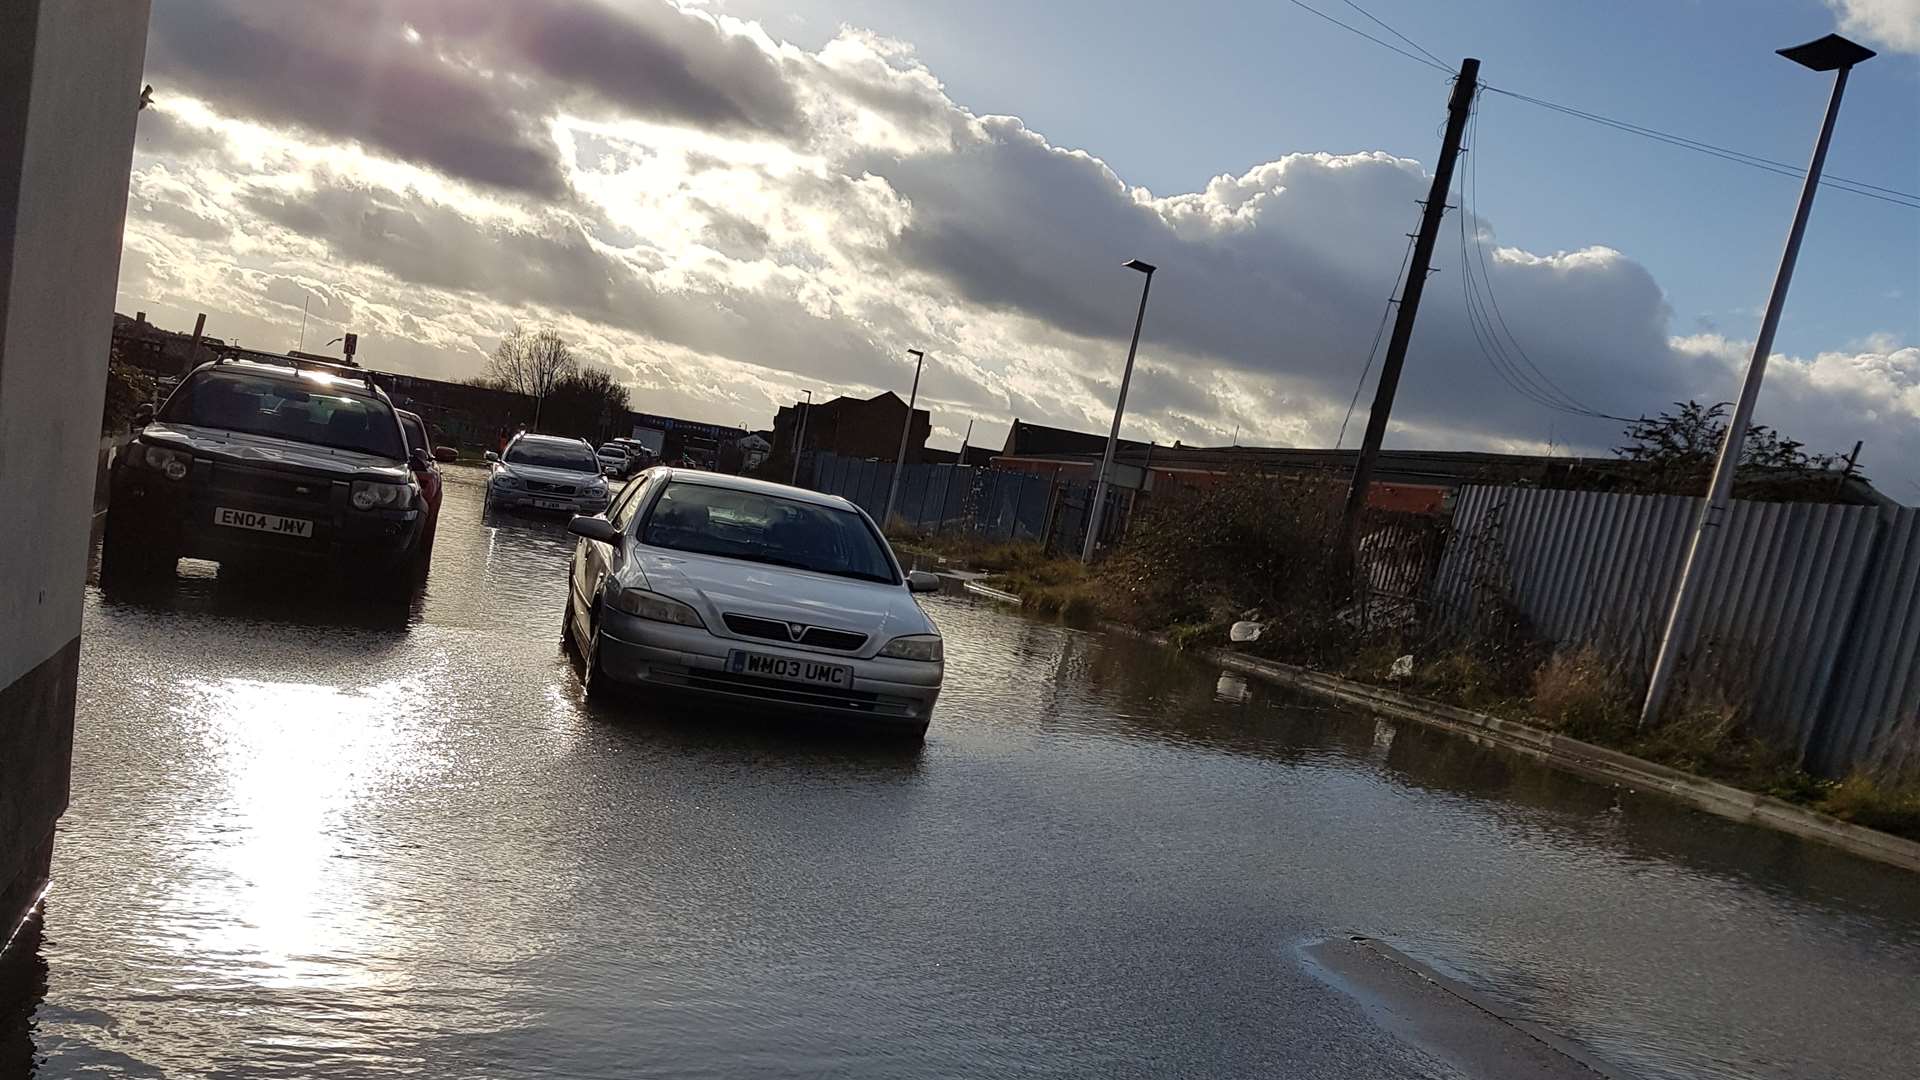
<point>960,498</point>
<point>1815,609</point>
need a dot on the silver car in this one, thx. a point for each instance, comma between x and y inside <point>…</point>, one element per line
<point>546,472</point>
<point>756,592</point>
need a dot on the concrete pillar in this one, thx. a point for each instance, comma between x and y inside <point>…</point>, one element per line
<point>69,88</point>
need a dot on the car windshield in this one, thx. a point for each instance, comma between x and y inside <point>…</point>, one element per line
<point>302,410</point>
<point>571,457</point>
<point>764,528</point>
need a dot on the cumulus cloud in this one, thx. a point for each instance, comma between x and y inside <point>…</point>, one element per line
<point>746,219</point>
<point>461,87</point>
<point>1894,24</point>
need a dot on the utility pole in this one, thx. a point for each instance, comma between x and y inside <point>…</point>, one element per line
<point>799,438</point>
<point>964,439</point>
<point>900,459</point>
<point>1458,108</point>
<point>1838,55</point>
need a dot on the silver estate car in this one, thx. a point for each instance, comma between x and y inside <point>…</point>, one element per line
<point>546,472</point>
<point>755,592</point>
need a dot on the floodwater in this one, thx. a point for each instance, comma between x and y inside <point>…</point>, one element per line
<point>304,842</point>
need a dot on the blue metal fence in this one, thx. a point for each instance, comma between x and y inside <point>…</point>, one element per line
<point>990,503</point>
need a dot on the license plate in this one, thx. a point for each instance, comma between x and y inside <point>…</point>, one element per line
<point>551,504</point>
<point>789,669</point>
<point>266,523</point>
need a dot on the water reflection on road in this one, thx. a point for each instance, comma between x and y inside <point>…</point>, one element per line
<point>342,845</point>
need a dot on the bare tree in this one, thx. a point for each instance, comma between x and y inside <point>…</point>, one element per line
<point>532,364</point>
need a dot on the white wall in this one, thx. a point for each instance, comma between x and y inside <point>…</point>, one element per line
<point>59,261</point>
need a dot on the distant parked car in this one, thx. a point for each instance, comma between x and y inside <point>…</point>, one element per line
<point>615,460</point>
<point>272,460</point>
<point>754,592</point>
<point>546,472</point>
<point>425,473</point>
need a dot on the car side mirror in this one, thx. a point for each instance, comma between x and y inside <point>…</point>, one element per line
<point>444,454</point>
<point>491,456</point>
<point>142,414</point>
<point>418,460</point>
<point>594,528</point>
<point>922,581</point>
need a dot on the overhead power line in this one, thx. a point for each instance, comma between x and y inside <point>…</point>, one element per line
<point>1497,343</point>
<point>1351,29</point>
<point>1377,21</point>
<point>1895,196</point>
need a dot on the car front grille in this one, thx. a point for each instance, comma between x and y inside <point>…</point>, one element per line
<point>785,693</point>
<point>283,490</point>
<point>544,488</point>
<point>818,637</point>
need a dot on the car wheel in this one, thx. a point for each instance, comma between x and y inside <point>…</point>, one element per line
<point>594,682</point>
<point>127,556</point>
<point>566,621</point>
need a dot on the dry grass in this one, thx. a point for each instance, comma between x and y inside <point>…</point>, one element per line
<point>1890,806</point>
<point>1585,694</point>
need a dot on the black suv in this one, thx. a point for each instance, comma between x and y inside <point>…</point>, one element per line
<point>272,460</point>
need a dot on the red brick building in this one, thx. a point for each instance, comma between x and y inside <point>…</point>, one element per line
<point>864,428</point>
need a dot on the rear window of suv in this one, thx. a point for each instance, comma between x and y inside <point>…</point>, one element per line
<point>302,410</point>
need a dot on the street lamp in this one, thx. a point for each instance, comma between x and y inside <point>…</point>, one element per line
<point>1119,410</point>
<point>799,437</point>
<point>1838,55</point>
<point>900,459</point>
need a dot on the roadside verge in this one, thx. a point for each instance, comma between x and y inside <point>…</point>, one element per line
<point>1569,754</point>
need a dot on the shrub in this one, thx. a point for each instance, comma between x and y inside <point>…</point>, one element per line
<point>127,388</point>
<point>1864,800</point>
<point>1584,693</point>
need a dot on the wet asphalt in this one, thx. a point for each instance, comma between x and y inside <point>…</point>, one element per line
<point>307,839</point>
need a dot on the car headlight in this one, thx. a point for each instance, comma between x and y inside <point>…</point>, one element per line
<point>645,604</point>
<point>505,479</point>
<point>373,494</point>
<point>925,647</point>
<point>172,464</point>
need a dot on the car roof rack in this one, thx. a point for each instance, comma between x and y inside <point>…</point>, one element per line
<point>300,363</point>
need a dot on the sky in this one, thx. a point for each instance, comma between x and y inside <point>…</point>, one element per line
<point>733,201</point>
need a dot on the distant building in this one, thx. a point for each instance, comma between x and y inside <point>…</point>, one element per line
<point>754,449</point>
<point>672,438</point>
<point>865,428</point>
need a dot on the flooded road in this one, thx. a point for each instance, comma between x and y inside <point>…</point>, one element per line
<point>305,843</point>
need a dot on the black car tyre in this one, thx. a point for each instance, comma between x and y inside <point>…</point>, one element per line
<point>127,556</point>
<point>594,681</point>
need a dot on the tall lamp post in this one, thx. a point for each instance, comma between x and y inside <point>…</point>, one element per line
<point>1119,410</point>
<point>1838,55</point>
<point>799,438</point>
<point>900,459</point>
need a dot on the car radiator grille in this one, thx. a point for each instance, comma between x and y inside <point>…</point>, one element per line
<point>818,637</point>
<point>287,491</point>
<point>544,488</point>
